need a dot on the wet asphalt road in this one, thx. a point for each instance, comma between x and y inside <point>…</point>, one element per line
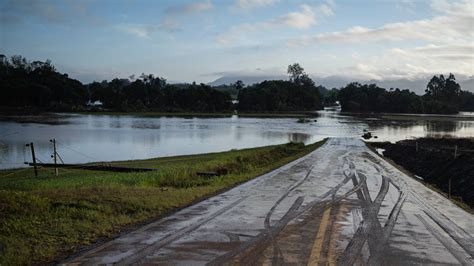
<point>340,205</point>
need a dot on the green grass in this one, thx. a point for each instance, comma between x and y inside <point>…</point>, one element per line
<point>45,219</point>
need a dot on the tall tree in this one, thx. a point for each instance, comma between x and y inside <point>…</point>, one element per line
<point>295,71</point>
<point>239,85</point>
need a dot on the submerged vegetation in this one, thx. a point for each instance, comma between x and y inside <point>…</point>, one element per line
<point>46,218</point>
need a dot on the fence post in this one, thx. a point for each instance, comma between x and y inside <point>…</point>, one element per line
<point>55,157</point>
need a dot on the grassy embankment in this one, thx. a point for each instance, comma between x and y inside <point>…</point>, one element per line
<point>47,218</point>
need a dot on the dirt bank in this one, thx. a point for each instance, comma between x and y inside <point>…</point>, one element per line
<point>435,162</point>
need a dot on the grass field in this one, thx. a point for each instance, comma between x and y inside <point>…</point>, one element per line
<point>47,218</point>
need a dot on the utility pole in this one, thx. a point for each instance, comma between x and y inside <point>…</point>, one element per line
<point>55,157</point>
<point>33,157</point>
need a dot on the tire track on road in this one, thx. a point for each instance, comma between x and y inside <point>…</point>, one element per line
<point>465,240</point>
<point>261,241</point>
<point>446,243</point>
<point>370,227</point>
<point>142,253</point>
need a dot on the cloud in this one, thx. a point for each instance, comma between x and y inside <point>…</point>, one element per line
<point>302,19</point>
<point>414,63</point>
<point>235,32</point>
<point>249,4</point>
<point>454,25</point>
<point>145,30</point>
<point>460,8</point>
<point>326,10</point>
<point>450,45</point>
<point>194,7</point>
<point>15,11</point>
<point>169,23</point>
<point>46,11</point>
<point>445,43</point>
<point>444,29</point>
<point>406,5</point>
<point>439,50</point>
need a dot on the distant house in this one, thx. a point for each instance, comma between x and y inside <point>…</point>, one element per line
<point>95,105</point>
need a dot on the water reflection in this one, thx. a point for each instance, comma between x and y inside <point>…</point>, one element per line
<point>84,138</point>
<point>299,137</point>
<point>443,126</point>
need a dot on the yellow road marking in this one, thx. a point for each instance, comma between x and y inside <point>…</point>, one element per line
<point>318,243</point>
<point>332,242</point>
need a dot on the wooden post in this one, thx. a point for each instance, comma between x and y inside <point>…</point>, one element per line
<point>33,157</point>
<point>449,188</point>
<point>55,157</point>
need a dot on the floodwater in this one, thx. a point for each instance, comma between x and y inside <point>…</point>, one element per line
<point>87,138</point>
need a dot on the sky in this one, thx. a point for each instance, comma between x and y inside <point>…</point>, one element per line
<point>185,41</point>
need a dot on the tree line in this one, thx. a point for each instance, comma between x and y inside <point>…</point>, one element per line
<point>297,94</point>
<point>442,96</point>
<point>38,85</point>
<point>149,93</point>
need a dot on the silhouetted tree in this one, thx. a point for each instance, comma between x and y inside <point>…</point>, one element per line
<point>33,85</point>
<point>295,71</point>
<point>238,85</point>
<point>442,96</point>
<point>279,95</point>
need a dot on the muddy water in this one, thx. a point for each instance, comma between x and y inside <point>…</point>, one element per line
<point>86,138</point>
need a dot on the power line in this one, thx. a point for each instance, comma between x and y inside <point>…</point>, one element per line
<point>74,150</point>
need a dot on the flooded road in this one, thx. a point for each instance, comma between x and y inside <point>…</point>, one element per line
<point>341,204</point>
<point>93,138</point>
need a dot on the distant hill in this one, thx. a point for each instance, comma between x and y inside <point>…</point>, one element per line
<point>247,79</point>
<point>418,85</point>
